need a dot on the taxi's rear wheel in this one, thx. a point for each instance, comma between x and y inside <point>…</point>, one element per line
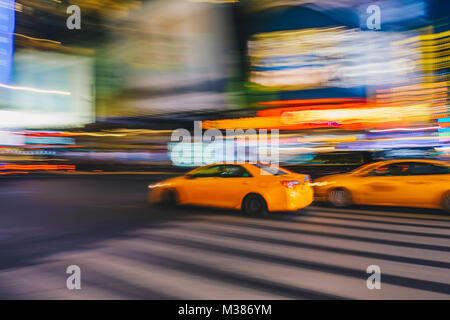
<point>446,202</point>
<point>169,198</point>
<point>253,204</point>
<point>340,197</point>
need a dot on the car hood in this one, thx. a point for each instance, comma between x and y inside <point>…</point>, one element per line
<point>166,182</point>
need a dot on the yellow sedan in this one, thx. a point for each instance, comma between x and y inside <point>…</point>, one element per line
<point>254,188</point>
<point>409,183</point>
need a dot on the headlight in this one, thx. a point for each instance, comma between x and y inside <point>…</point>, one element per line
<point>322,183</point>
<point>157,185</point>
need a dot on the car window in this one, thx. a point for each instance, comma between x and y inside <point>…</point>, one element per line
<point>380,171</point>
<point>364,168</point>
<point>393,169</point>
<point>271,169</point>
<point>421,168</point>
<point>212,171</point>
<point>337,159</point>
<point>234,171</point>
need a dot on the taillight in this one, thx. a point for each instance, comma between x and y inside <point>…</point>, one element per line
<point>290,184</point>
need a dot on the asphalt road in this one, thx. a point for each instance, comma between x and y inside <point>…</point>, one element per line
<point>127,249</point>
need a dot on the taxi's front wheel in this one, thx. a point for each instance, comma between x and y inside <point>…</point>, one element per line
<point>254,204</point>
<point>169,198</point>
<point>446,202</point>
<point>340,197</point>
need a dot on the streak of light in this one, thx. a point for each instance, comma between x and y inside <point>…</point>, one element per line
<point>406,129</point>
<point>36,39</point>
<point>63,93</point>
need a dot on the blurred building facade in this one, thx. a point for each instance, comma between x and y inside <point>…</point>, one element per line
<point>326,73</point>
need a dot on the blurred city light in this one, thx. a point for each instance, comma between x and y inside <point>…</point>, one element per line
<point>137,70</point>
<point>115,112</point>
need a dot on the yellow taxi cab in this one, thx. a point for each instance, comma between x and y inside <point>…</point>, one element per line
<point>254,188</point>
<point>407,182</point>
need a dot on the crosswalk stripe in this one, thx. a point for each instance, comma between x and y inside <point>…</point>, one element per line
<point>328,243</point>
<point>37,282</point>
<point>415,216</point>
<point>175,283</point>
<point>318,255</point>
<point>317,281</point>
<point>443,233</point>
<point>444,225</point>
<point>294,227</point>
<point>314,256</point>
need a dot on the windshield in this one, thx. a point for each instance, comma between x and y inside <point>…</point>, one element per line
<point>364,168</point>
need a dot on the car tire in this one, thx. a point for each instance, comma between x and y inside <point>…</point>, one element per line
<point>254,205</point>
<point>446,202</point>
<point>340,198</point>
<point>169,198</point>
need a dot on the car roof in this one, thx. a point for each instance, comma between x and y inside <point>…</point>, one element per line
<point>250,166</point>
<point>432,161</point>
<point>240,163</point>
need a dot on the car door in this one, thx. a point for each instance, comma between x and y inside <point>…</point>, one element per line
<point>233,184</point>
<point>386,185</point>
<point>202,187</point>
<point>426,183</point>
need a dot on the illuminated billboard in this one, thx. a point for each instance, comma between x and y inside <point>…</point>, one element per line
<point>48,90</point>
<point>7,24</point>
<point>331,57</point>
<point>174,59</point>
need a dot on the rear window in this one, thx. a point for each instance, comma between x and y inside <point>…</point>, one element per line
<point>336,159</point>
<point>427,169</point>
<point>271,169</point>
